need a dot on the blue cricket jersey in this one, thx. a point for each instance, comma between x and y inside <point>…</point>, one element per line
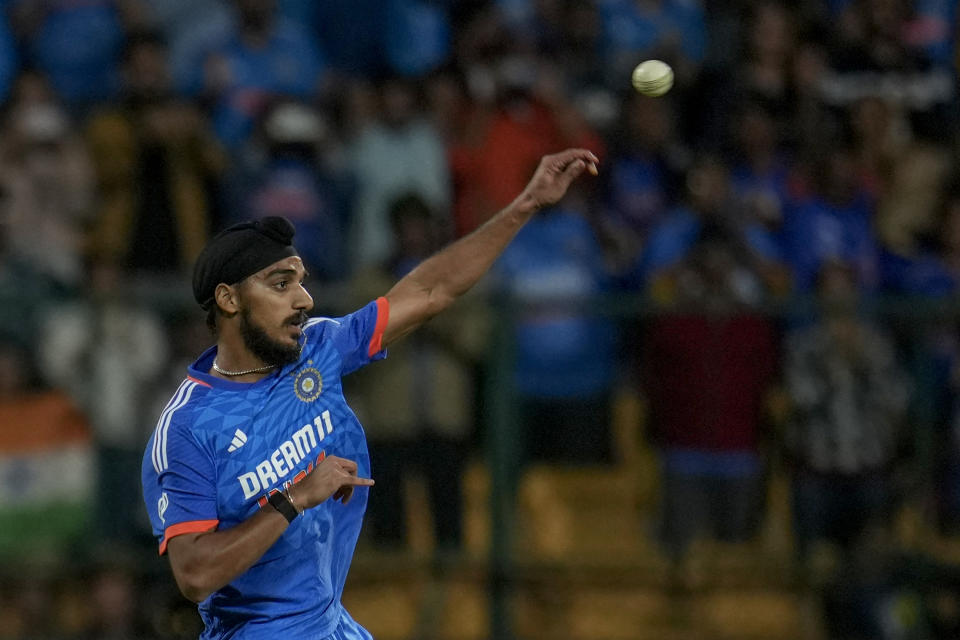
<point>221,447</point>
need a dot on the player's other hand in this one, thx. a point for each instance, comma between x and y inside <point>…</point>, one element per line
<point>334,477</point>
<point>555,174</point>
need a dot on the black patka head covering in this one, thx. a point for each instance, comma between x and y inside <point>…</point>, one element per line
<point>240,251</point>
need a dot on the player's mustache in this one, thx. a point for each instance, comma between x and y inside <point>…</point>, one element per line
<point>297,318</point>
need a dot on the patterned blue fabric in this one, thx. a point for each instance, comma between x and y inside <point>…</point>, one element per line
<point>221,446</point>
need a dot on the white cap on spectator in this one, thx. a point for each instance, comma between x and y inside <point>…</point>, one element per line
<point>41,123</point>
<point>292,122</point>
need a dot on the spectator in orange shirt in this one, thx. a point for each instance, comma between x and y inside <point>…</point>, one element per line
<point>528,120</point>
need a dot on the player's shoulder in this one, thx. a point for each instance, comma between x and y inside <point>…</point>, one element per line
<point>319,325</point>
<point>321,329</point>
<point>323,326</point>
<point>189,395</point>
<point>176,419</point>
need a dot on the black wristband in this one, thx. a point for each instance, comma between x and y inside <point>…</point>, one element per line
<point>284,506</point>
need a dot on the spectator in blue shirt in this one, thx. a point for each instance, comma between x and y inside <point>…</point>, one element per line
<point>78,45</point>
<point>417,36</point>
<point>351,32</point>
<point>761,178</point>
<point>934,269</point>
<point>836,223</point>
<point>192,28</point>
<point>933,29</point>
<point>670,29</point>
<point>297,181</point>
<point>709,203</point>
<point>924,28</point>
<point>9,60</point>
<point>566,352</point>
<point>368,38</point>
<point>259,58</point>
<point>642,175</point>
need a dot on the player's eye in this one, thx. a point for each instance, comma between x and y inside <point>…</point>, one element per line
<point>282,284</point>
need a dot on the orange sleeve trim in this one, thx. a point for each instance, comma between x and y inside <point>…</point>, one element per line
<point>194,526</point>
<point>383,315</point>
<point>198,381</point>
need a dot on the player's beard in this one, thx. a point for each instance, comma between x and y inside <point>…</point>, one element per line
<point>260,344</point>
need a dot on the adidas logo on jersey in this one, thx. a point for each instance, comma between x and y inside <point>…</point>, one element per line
<point>239,439</point>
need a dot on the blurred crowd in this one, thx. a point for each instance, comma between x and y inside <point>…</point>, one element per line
<point>789,215</point>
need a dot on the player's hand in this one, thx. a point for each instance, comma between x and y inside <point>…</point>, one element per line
<point>334,476</point>
<point>343,494</point>
<point>555,174</point>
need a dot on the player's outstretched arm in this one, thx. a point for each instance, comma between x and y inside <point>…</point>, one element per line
<point>440,279</point>
<point>205,562</point>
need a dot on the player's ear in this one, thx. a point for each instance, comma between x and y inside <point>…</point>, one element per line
<point>227,298</point>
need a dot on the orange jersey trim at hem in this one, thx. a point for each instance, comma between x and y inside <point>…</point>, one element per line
<point>383,315</point>
<point>194,526</point>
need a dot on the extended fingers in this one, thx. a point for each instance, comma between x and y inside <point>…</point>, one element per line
<point>345,492</point>
<point>349,467</point>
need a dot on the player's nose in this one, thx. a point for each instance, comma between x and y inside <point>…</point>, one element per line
<point>303,300</point>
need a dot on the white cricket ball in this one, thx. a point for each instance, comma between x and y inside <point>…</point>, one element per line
<point>652,78</point>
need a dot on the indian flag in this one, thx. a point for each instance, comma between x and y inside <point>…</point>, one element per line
<point>46,473</point>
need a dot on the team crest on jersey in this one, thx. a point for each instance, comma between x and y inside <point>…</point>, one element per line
<point>308,384</point>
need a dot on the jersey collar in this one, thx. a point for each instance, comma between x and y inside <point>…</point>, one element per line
<point>200,368</point>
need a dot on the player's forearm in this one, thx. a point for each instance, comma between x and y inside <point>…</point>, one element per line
<point>452,271</point>
<point>204,563</point>
<point>439,280</point>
